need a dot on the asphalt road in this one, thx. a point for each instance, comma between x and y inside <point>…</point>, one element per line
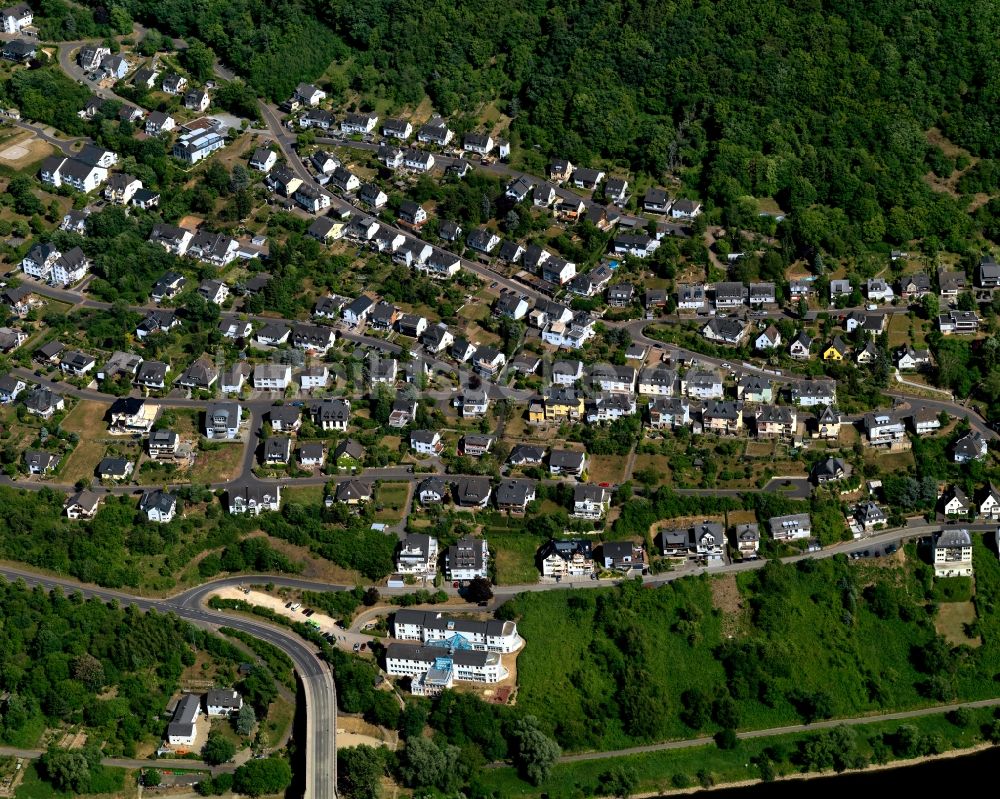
<point>130,763</point>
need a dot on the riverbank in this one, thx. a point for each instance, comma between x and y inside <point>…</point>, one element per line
<point>882,745</point>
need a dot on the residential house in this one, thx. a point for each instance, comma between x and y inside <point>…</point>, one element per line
<point>810,393</point>
<point>788,528</point>
<point>837,350</point>
<point>362,123</point>
<point>309,94</point>
<point>272,376</point>
<point>909,358</point>
<point>481,143</point>
<point>263,159</point>
<point>988,502</point>
<point>669,412</point>
<point>950,285</point>
<point>475,445</point>
<point>426,442</point>
<point>17,17</point>
<point>312,454</point>
<point>313,377</point>
<point>163,444</point>
<point>617,379</point>
<point>513,495</point>
<point>623,556</point>
<point>488,361</point>
<point>152,375</point>
<point>869,517</point>
<point>158,505</point>
<point>871,323</point>
<point>213,291</point>
<point>418,554</point>
<point>954,502</point>
<point>914,286</point>
<point>332,414</point>
<point>563,462</point>
<point>432,491</point>
<point>691,297</point>
<point>702,384</point>
<point>44,403</point>
<point>590,501</point>
<point>924,420</point>
<point>213,248</point>
<point>473,492</point>
<point>725,330</point>
<point>40,462</point>
<point>314,339</point>
<point>635,245</point>
<point>759,294</point>
<point>657,381</point>
<point>174,240</point>
<point>586,178</point>
<point>685,209</point>
<point>467,559</point>
<point>222,420</point>
<point>561,559</point>
<point>77,363</point>
<point>770,339</point>
<point>254,499</point>
<point>656,201</point>
<point>284,418</point>
<point>233,378</point>
<point>311,199</point>
<point>747,538</point>
<point>988,273</point>
<point>277,450</point>
<point>174,84</point>
<point>830,470</point>
<point>616,191</point>
<point>132,415</point>
<point>722,418</point>
<point>114,469</point>
<point>776,421</point>
<point>158,122</point>
<point>970,447</point>
<point>751,388</point>
<point>196,145</point>
<point>840,288</point>
<point>953,554</point>
<point>82,505</point>
<point>345,180</point>
<point>168,286</point>
<point>121,187</point>
<point>885,429</point>
<point>828,423</point>
<point>730,295</point>
<point>356,312</point>
<point>963,322</point>
<point>879,290</point>
<point>273,334</point>
<point>402,413</point>
<point>526,455</point>
<point>10,387</point>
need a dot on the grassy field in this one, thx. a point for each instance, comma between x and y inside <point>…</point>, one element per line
<point>814,638</point>
<point>217,465</point>
<point>87,418</point>
<point>951,620</point>
<point>606,468</point>
<point>391,499</point>
<point>515,558</point>
<point>279,718</point>
<point>305,495</point>
<point>82,462</point>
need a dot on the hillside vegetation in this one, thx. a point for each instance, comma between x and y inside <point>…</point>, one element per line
<point>820,639</point>
<point>821,105</point>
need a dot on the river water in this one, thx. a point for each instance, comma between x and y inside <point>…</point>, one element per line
<point>979,768</point>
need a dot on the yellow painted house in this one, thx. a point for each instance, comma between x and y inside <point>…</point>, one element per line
<point>837,351</point>
<point>560,404</point>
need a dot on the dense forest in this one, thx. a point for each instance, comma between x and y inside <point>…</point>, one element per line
<point>821,105</point>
